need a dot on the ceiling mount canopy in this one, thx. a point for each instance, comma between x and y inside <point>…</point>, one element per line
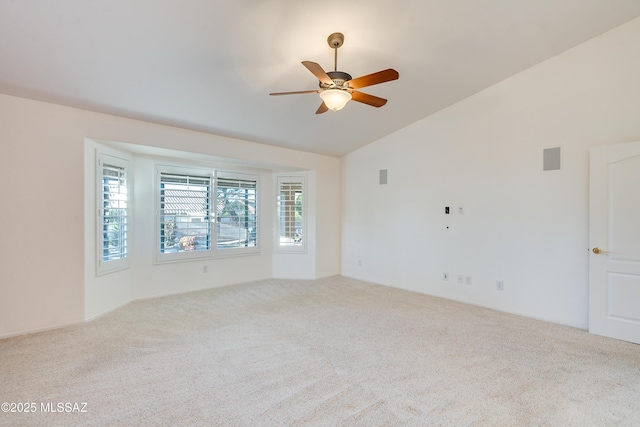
<point>337,87</point>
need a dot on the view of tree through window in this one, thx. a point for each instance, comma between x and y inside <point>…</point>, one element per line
<point>236,213</point>
<point>114,213</point>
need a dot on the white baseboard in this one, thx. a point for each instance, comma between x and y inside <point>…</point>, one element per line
<point>107,311</point>
<point>36,330</point>
<point>500,309</point>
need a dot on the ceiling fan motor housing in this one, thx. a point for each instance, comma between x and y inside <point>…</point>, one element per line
<point>339,78</point>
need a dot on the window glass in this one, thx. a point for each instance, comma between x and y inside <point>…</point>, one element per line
<point>185,202</point>
<point>113,213</point>
<point>291,212</point>
<point>236,213</point>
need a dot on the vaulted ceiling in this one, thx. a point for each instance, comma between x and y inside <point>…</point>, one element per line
<point>209,65</point>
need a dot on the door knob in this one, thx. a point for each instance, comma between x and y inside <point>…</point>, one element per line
<point>597,250</point>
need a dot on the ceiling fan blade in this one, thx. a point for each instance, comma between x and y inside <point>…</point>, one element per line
<point>317,71</point>
<point>365,98</point>
<point>374,79</point>
<point>294,93</point>
<point>322,108</point>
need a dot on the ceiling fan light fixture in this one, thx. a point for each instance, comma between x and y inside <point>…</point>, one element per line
<point>335,99</point>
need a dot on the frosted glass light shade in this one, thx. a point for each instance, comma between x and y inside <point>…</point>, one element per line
<point>335,99</point>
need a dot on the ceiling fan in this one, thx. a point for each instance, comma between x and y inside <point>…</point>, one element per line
<point>338,87</point>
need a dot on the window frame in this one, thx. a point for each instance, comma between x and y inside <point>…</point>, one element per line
<point>213,251</point>
<point>239,176</point>
<point>186,171</point>
<point>109,266</point>
<point>291,179</point>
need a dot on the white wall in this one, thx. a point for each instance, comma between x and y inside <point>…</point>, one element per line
<point>521,225</point>
<point>41,217</point>
<point>328,228</point>
<point>47,272</point>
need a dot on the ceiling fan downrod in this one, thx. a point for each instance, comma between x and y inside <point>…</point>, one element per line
<point>335,40</point>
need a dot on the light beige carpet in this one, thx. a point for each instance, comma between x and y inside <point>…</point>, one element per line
<point>321,353</point>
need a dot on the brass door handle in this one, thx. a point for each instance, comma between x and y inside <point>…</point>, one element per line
<point>597,250</point>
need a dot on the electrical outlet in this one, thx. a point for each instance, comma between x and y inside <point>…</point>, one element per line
<point>445,276</point>
<point>205,268</point>
<point>359,263</point>
<point>500,285</point>
<point>467,280</point>
<point>460,210</point>
<point>460,279</point>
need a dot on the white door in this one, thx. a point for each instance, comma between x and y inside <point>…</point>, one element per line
<point>614,238</point>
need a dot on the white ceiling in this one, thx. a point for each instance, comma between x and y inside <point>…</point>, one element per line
<point>209,65</point>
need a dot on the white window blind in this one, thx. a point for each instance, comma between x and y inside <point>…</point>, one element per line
<point>113,213</point>
<point>291,212</point>
<point>185,213</point>
<point>236,213</point>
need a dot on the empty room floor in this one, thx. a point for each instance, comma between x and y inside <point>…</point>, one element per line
<point>334,351</point>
